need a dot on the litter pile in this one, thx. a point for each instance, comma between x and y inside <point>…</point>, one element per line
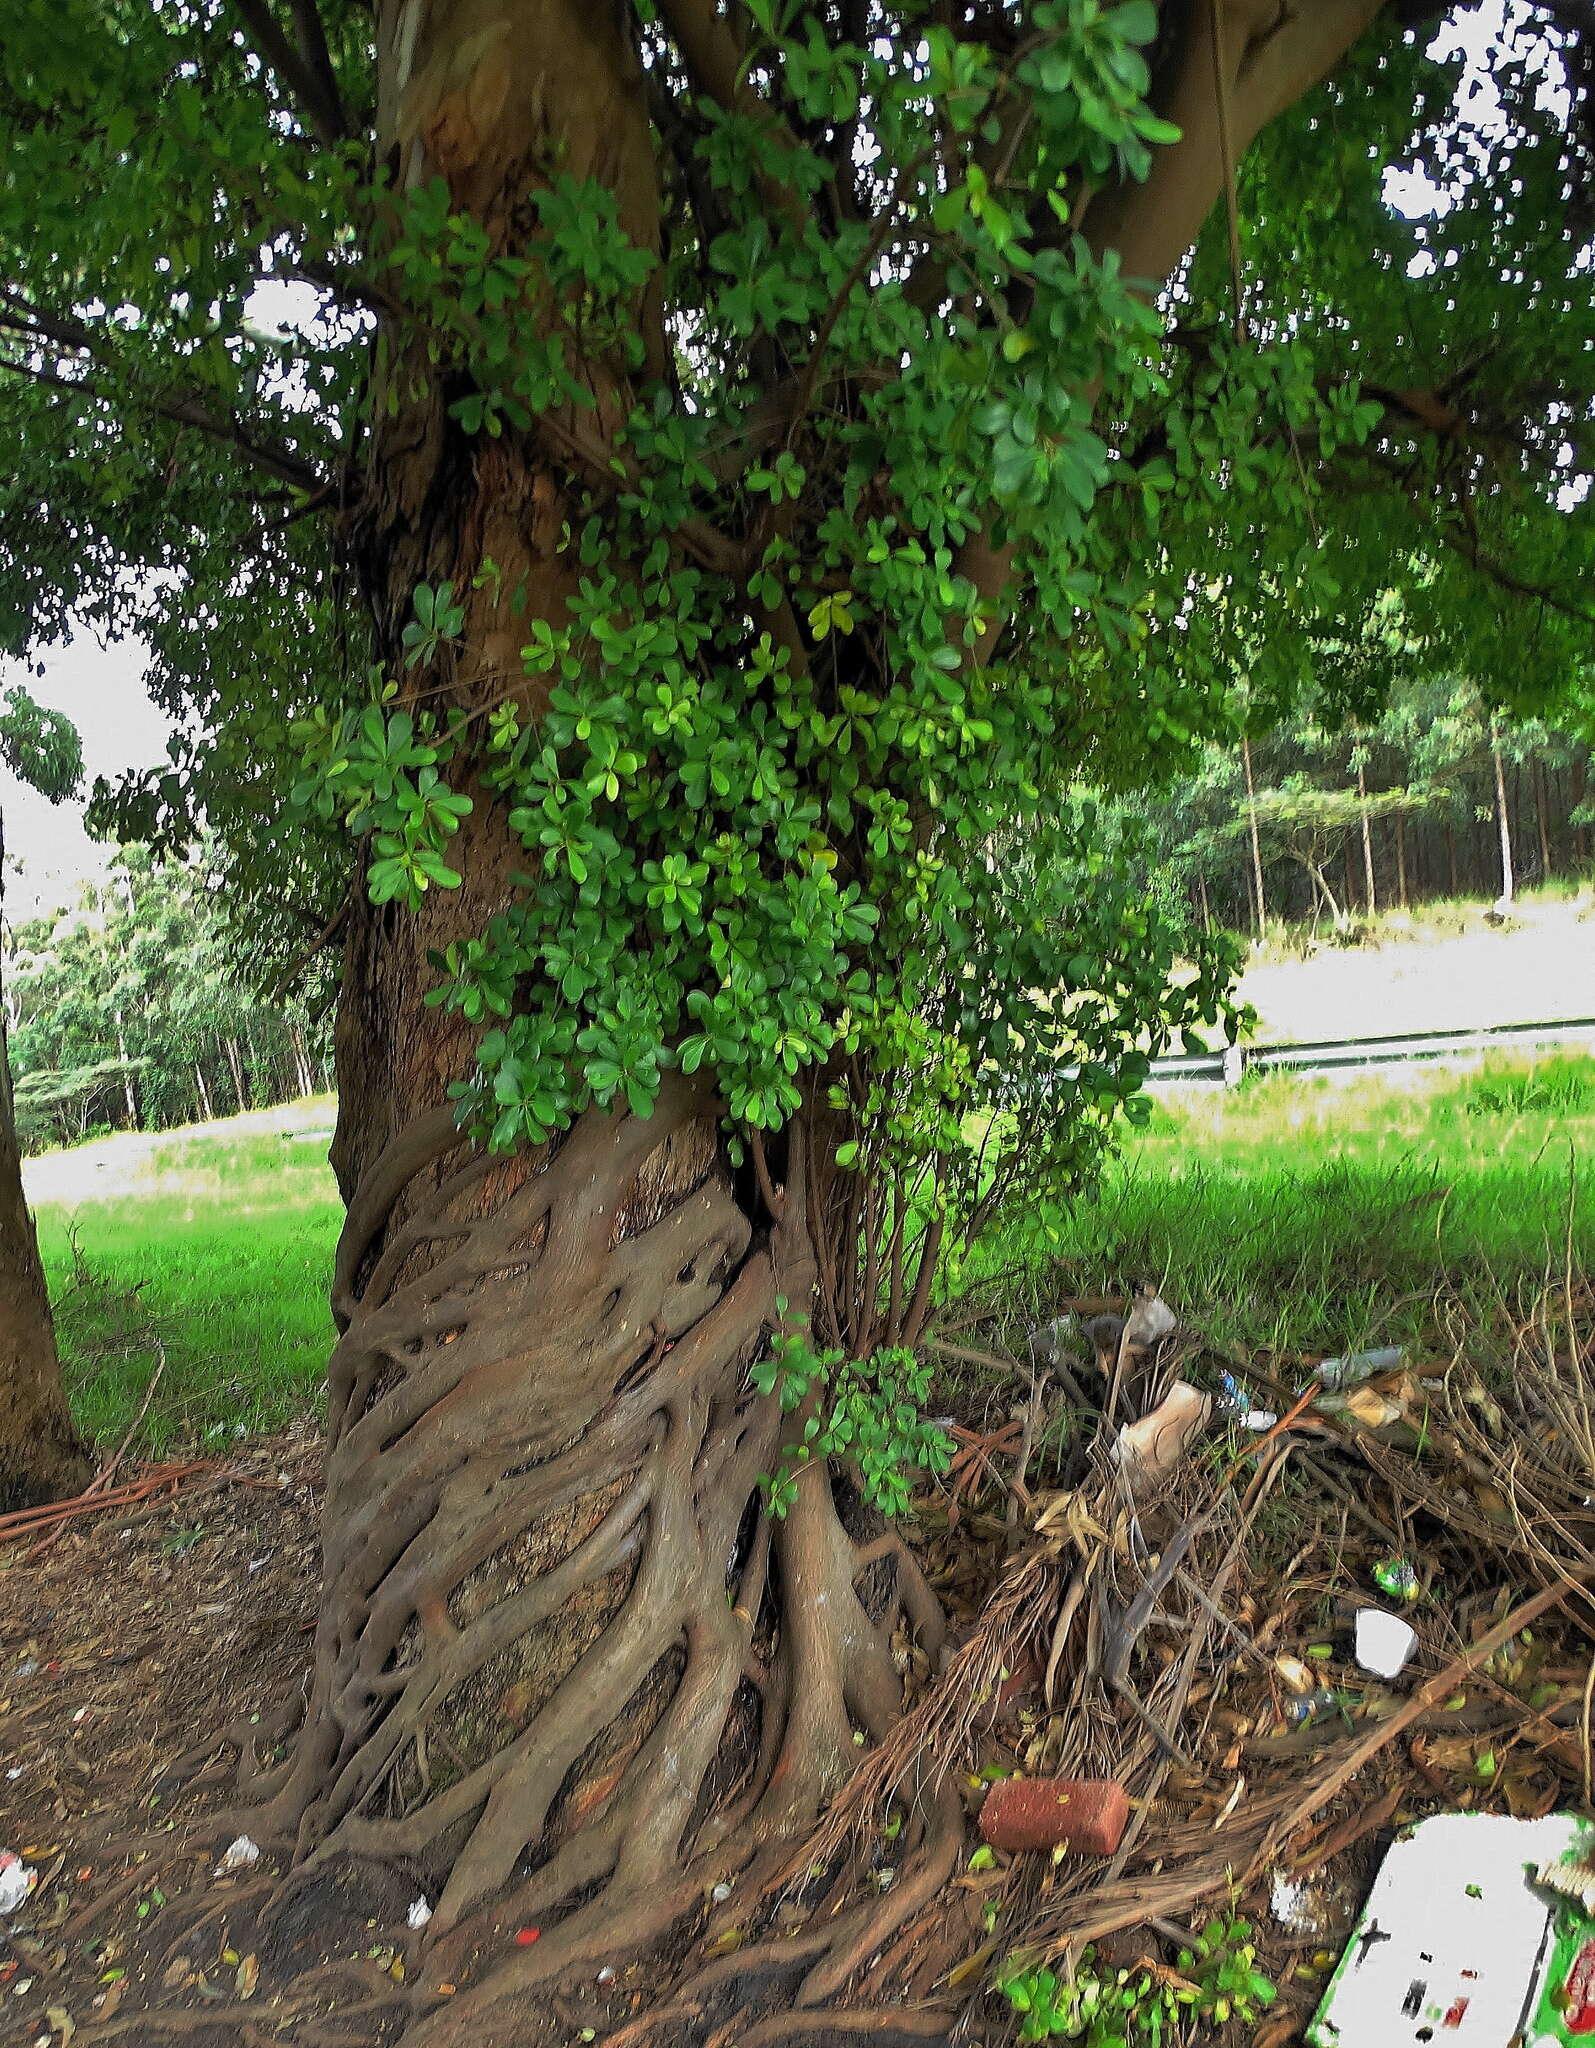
<point>1252,1619</point>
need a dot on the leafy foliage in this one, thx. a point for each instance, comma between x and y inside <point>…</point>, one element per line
<point>896,528</point>
<point>870,1412</point>
<point>136,1005</point>
<point>39,746</point>
<point>1137,2008</point>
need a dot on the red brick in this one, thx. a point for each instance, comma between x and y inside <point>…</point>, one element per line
<point>1084,1815</point>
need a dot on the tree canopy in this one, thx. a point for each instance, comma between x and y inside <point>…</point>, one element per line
<point>857,354</point>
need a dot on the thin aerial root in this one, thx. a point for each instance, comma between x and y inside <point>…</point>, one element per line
<point>870,1926</point>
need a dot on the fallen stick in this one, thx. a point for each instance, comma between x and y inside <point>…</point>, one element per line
<point>102,1479</point>
<point>28,1521</point>
<point>1340,1774</point>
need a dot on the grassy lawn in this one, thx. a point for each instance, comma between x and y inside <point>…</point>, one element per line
<point>1292,1213</point>
<point>215,1249</point>
<point>1325,1214</point>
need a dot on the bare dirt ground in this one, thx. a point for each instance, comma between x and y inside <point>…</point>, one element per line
<point>123,1643</point>
<point>136,1637</point>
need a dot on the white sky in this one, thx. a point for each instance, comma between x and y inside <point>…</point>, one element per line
<point>101,689</point>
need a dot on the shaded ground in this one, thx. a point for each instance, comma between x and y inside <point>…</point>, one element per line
<point>121,1644</point>
<point>143,1633</point>
<point>135,1635</point>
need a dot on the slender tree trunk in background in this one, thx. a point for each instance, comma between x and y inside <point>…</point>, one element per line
<point>204,1093</point>
<point>1541,806</point>
<point>1207,915</point>
<point>1401,860</point>
<point>1259,906</point>
<point>301,1061</point>
<point>1350,874</point>
<point>128,1096</point>
<point>1502,818</point>
<point>41,1457</point>
<point>1367,841</point>
<point>1323,893</point>
<point>230,1045</point>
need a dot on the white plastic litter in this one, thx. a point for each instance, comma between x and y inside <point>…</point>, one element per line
<point>240,1855</point>
<point>16,1880</point>
<point>720,1894</point>
<point>1454,1944</point>
<point>1291,1901</point>
<point>419,1914</point>
<point>1384,1641</point>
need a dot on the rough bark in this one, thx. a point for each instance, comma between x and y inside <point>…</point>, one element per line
<point>41,1457</point>
<point>568,1671</point>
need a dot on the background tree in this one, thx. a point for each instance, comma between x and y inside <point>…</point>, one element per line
<point>148,985</point>
<point>40,1455</point>
<point>727,474</point>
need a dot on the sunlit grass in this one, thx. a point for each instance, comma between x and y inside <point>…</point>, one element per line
<point>1291,1213</point>
<point>216,1252</point>
<point>1323,1214</point>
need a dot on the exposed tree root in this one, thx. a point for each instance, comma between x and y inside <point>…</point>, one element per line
<point>570,1678</point>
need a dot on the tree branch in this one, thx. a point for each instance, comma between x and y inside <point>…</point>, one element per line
<point>313,43</point>
<point>316,94</point>
<point>182,408</point>
<point>1271,54</point>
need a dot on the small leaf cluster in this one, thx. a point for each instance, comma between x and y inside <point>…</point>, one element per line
<point>378,774</point>
<point>39,746</point>
<point>868,1412</point>
<point>1104,2007</point>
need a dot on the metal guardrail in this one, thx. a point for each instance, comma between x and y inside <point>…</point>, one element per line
<point>1332,1055</point>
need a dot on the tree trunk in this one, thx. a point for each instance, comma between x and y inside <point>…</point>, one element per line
<point>1542,802</point>
<point>1503,820</point>
<point>568,1670</point>
<point>1259,905</point>
<point>41,1457</point>
<point>1321,885</point>
<point>301,1060</point>
<point>204,1093</point>
<point>230,1048</point>
<point>1367,842</point>
<point>129,1098</point>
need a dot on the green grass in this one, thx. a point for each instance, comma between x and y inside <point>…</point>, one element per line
<point>1313,1214</point>
<point>1299,1214</point>
<point>217,1251</point>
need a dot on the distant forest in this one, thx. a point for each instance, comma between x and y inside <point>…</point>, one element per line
<point>138,1009</point>
<point>1325,823</point>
